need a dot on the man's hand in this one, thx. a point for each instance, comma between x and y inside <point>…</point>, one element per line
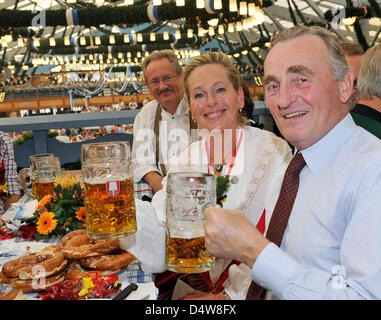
<point>154,179</point>
<point>229,234</point>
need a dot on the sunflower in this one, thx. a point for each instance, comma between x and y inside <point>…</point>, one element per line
<point>44,201</point>
<point>46,223</point>
<point>81,214</point>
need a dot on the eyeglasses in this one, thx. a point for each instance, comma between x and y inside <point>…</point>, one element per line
<point>166,79</point>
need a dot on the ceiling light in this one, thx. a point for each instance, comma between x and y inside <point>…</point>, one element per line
<point>349,21</point>
<point>112,39</point>
<point>213,22</point>
<point>152,37</point>
<point>217,4</point>
<point>20,42</point>
<point>67,41</point>
<point>97,40</point>
<point>200,4</point>
<point>243,8</point>
<point>251,9</point>
<point>180,3</point>
<point>52,42</point>
<point>233,5</point>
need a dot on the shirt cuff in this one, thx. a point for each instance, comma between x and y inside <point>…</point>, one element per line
<point>274,269</point>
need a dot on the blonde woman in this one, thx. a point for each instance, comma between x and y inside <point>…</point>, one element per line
<point>255,161</point>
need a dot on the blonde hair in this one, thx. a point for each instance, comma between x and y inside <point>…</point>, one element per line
<point>215,58</point>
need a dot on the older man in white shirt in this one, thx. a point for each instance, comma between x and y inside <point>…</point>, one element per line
<point>330,246</point>
<point>162,127</point>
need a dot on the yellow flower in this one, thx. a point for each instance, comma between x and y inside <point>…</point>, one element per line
<point>66,180</point>
<point>46,223</point>
<point>44,201</point>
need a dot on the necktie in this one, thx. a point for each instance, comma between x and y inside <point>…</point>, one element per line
<point>282,210</point>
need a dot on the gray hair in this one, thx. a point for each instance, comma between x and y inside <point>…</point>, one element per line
<point>369,79</point>
<point>338,63</point>
<point>160,54</point>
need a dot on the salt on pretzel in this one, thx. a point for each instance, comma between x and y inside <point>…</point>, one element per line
<point>77,245</point>
<point>108,261</point>
<point>45,263</point>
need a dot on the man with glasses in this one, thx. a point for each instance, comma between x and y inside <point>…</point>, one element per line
<point>162,127</point>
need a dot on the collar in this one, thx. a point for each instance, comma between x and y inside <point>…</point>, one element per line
<point>320,151</point>
<point>182,109</point>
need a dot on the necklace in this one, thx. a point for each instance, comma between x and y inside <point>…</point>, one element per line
<point>223,181</point>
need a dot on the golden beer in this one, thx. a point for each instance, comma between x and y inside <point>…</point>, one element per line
<point>188,255</point>
<point>41,189</point>
<point>110,209</point>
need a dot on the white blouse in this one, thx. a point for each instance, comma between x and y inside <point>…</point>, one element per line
<point>260,164</point>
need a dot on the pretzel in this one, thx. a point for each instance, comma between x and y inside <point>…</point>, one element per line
<point>74,271</point>
<point>45,263</point>
<point>14,294</point>
<point>37,284</point>
<point>77,245</point>
<point>108,262</point>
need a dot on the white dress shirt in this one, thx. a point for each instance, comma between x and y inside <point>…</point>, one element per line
<point>174,137</point>
<point>331,248</point>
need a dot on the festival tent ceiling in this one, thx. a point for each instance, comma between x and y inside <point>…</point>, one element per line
<point>53,32</point>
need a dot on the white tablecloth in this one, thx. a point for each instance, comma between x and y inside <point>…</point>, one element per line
<point>15,247</point>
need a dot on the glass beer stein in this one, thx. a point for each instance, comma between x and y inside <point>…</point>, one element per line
<point>45,173</point>
<point>50,167</point>
<point>109,190</point>
<point>188,194</point>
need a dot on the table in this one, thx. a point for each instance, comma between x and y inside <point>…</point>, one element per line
<point>12,248</point>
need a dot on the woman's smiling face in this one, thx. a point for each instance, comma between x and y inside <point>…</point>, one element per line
<point>213,101</point>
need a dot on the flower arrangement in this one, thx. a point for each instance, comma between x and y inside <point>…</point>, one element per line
<point>61,211</point>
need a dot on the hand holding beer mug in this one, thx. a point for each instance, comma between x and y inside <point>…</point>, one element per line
<point>188,194</point>
<point>109,190</point>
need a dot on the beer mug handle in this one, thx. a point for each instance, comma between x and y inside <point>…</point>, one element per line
<point>23,175</point>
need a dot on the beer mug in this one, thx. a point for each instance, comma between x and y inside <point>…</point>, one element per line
<point>188,195</point>
<point>29,173</point>
<point>45,172</point>
<point>109,190</point>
